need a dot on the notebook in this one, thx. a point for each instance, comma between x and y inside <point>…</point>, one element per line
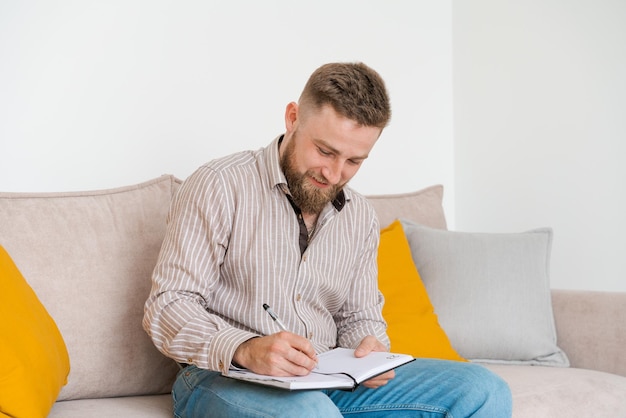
<point>336,369</point>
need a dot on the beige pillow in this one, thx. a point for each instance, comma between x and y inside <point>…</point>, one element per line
<point>89,257</point>
<point>423,206</point>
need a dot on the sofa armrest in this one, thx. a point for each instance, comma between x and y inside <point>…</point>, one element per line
<point>591,328</point>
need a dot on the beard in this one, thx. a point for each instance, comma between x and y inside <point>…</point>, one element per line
<point>306,196</point>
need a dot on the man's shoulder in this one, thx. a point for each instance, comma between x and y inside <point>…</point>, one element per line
<point>233,161</point>
<point>359,203</point>
<point>356,197</point>
<point>229,169</point>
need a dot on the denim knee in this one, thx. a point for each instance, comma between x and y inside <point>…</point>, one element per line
<point>490,392</point>
<point>200,393</point>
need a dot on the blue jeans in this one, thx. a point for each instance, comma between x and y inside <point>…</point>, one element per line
<point>423,388</point>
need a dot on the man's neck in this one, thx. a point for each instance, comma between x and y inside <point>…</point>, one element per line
<point>310,219</point>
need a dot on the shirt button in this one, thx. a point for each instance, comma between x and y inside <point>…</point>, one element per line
<point>310,335</point>
<point>304,258</point>
<point>221,365</point>
<point>298,297</point>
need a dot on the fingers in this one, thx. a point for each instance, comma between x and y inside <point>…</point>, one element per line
<point>296,363</point>
<point>298,353</point>
<point>281,354</point>
<point>302,345</point>
<point>380,380</point>
<point>367,345</point>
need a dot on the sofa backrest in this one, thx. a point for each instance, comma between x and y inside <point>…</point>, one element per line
<point>422,206</point>
<point>89,257</point>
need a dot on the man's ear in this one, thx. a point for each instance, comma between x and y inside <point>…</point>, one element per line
<point>291,116</point>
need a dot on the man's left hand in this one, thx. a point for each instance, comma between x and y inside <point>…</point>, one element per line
<point>369,344</point>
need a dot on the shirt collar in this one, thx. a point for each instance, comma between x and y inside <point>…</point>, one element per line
<point>277,178</point>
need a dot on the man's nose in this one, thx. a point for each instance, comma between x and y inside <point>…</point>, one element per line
<point>333,172</point>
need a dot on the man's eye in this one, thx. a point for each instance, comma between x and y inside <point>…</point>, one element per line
<point>323,152</point>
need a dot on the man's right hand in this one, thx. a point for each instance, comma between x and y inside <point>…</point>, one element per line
<point>281,354</point>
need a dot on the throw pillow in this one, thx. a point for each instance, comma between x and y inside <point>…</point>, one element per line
<point>423,206</point>
<point>412,323</point>
<point>35,363</point>
<point>491,292</point>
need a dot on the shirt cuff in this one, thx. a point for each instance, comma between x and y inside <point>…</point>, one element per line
<point>223,347</point>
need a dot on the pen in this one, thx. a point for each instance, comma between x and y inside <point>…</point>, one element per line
<point>275,317</point>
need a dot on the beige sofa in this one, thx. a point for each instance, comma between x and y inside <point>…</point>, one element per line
<point>89,255</point>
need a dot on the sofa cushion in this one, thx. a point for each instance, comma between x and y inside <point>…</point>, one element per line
<point>563,392</point>
<point>491,292</point>
<point>423,206</point>
<point>35,363</point>
<point>412,324</point>
<point>89,256</point>
<point>155,406</point>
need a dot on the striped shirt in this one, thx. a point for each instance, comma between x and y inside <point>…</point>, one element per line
<point>232,244</point>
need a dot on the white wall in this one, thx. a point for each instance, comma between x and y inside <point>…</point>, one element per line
<point>540,129</point>
<point>97,94</point>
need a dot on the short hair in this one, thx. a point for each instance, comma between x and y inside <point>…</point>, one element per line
<point>354,91</point>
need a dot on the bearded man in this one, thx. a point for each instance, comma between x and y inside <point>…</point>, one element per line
<point>280,226</point>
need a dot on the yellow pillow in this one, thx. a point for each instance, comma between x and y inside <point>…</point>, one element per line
<point>413,327</point>
<point>34,362</point>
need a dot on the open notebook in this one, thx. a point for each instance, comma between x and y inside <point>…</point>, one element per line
<point>336,369</point>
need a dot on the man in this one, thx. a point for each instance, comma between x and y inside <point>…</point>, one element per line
<point>278,226</point>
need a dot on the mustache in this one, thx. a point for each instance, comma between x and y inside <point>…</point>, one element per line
<point>319,178</point>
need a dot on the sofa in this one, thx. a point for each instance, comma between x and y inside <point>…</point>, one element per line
<point>87,257</point>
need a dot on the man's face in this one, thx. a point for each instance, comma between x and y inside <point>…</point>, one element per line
<point>321,152</point>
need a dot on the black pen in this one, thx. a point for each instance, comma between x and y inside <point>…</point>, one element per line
<point>274,317</point>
